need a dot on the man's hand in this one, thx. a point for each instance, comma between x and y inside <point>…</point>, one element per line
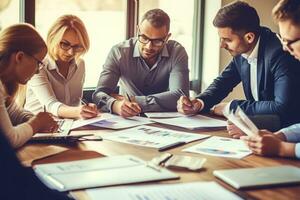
<point>219,108</point>
<point>187,106</point>
<point>126,108</point>
<point>264,143</point>
<point>234,131</point>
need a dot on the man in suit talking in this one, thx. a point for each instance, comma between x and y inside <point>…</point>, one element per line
<point>267,72</point>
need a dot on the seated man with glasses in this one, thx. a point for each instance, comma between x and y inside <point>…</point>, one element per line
<point>269,75</point>
<point>286,142</point>
<point>151,70</point>
<point>59,85</point>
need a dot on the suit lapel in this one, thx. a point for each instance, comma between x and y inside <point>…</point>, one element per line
<point>261,65</point>
<point>246,78</point>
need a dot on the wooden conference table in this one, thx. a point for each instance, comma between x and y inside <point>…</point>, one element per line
<point>109,148</point>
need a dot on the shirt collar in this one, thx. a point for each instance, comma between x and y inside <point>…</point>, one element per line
<point>51,64</point>
<point>254,54</point>
<point>136,51</point>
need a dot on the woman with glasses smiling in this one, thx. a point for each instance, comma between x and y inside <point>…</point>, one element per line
<point>59,84</point>
<point>21,49</point>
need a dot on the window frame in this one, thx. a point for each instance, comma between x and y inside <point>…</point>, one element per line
<point>27,14</point>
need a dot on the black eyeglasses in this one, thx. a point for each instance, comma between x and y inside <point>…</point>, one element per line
<point>287,43</point>
<point>65,45</point>
<point>155,42</point>
<point>40,64</point>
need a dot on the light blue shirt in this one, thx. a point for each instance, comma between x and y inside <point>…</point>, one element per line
<point>155,88</point>
<point>292,134</point>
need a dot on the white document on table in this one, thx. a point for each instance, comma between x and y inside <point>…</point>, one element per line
<point>98,172</point>
<point>221,146</point>
<point>179,191</point>
<point>163,114</point>
<point>193,122</point>
<point>83,122</point>
<point>149,136</point>
<point>118,122</point>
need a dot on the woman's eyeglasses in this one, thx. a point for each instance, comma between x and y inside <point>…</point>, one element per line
<point>67,46</point>
<point>40,64</point>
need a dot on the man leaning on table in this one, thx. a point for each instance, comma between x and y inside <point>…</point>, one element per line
<point>267,72</point>
<point>286,142</point>
<point>150,67</point>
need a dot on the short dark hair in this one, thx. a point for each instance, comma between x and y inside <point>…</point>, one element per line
<point>287,9</point>
<point>239,16</point>
<point>157,18</point>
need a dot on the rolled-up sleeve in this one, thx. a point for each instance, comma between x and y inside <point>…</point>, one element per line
<point>108,80</point>
<point>292,133</point>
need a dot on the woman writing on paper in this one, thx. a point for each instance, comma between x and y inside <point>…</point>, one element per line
<point>59,84</point>
<point>21,52</point>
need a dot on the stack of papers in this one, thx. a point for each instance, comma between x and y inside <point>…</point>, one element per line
<point>153,137</point>
<point>221,146</point>
<point>193,122</point>
<point>98,172</point>
<point>187,191</point>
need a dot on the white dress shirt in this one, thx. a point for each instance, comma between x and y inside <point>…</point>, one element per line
<point>13,121</point>
<point>51,89</point>
<point>252,60</point>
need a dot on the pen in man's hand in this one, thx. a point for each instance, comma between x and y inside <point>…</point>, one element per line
<point>142,114</point>
<point>128,97</point>
<point>45,109</point>
<point>183,94</point>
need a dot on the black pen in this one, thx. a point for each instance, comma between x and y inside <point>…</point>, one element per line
<point>128,97</point>
<point>170,146</point>
<point>142,114</point>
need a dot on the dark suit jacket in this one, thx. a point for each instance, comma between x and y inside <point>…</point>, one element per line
<point>278,76</point>
<point>18,182</point>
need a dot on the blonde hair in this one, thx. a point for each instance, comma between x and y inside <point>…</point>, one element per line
<point>60,26</point>
<point>18,37</point>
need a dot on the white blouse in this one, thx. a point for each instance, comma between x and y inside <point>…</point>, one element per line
<point>13,121</point>
<point>51,89</point>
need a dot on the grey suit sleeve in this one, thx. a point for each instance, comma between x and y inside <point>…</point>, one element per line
<point>108,80</point>
<point>178,79</point>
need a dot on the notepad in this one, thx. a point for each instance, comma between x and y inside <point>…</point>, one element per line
<point>258,177</point>
<point>179,191</point>
<point>64,127</point>
<point>193,122</point>
<point>99,172</point>
<point>153,137</point>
